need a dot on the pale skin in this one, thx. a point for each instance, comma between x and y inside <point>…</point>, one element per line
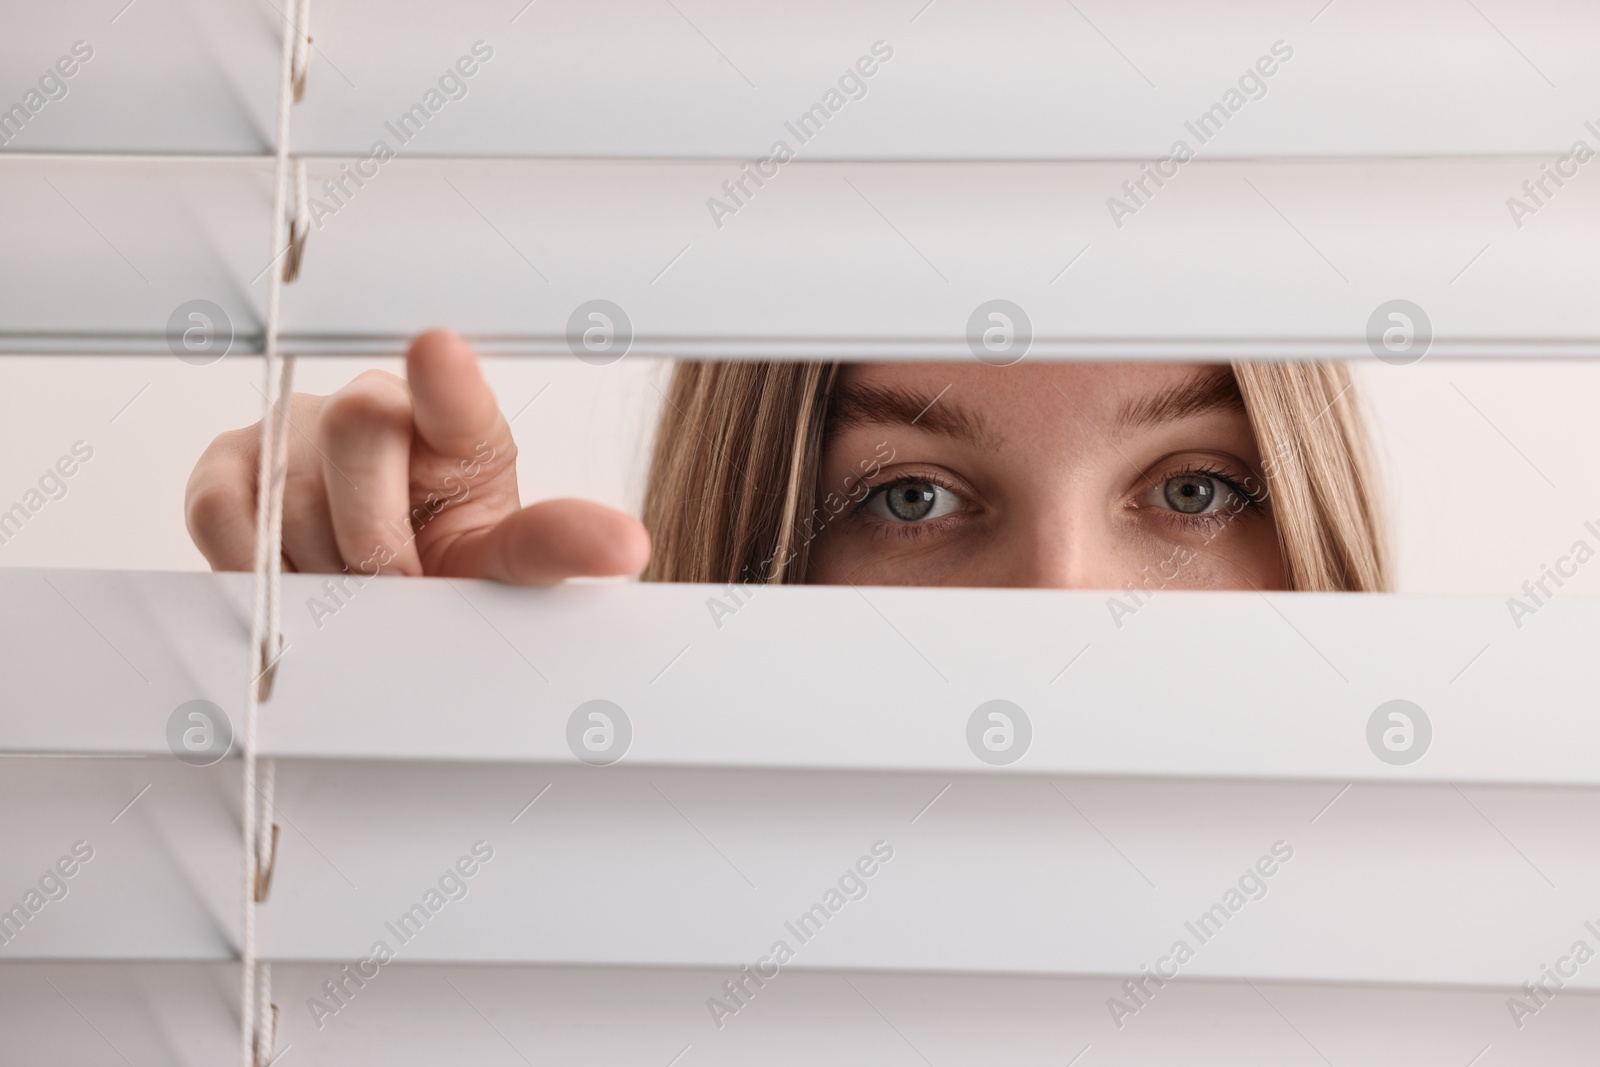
<point>1058,475</point>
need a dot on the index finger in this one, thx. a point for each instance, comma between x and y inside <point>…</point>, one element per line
<point>455,410</point>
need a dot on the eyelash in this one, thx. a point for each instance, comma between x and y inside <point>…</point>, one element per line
<point>905,529</point>
<point>1254,499</point>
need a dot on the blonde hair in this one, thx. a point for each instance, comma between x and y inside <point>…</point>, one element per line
<point>733,484</point>
<point>1319,471</point>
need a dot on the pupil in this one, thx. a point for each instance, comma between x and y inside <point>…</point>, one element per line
<point>1190,495</point>
<point>912,501</point>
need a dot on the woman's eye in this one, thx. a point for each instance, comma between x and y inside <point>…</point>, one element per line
<point>1194,494</point>
<point>912,502</point>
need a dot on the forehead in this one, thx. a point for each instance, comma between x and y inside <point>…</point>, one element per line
<point>1082,381</point>
<point>1031,384</point>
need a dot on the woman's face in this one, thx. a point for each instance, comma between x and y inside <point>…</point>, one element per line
<point>1062,475</point>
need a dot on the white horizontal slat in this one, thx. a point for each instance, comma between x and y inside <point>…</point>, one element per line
<point>831,260</point>
<point>162,76</point>
<point>1023,79</point>
<point>704,868</point>
<point>1193,684</point>
<point>179,1015</point>
<point>118,246</point>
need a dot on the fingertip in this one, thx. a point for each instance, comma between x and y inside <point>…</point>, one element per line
<point>583,539</point>
<point>554,540</point>
<point>631,543</point>
<point>455,409</point>
<point>438,350</point>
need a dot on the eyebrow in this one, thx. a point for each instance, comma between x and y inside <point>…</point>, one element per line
<point>861,403</point>
<point>1206,392</point>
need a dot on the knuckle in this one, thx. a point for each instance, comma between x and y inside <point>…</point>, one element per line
<point>228,445</point>
<point>215,489</point>
<point>375,403</point>
<point>214,504</point>
<point>501,457</point>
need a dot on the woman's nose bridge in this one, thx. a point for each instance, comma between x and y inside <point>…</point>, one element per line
<point>1071,549</point>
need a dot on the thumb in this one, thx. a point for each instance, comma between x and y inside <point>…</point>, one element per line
<point>550,542</point>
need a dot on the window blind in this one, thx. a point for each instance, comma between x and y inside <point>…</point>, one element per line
<point>1338,898</point>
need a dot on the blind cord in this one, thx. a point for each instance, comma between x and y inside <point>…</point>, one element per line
<point>256,1014</point>
<point>302,49</point>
